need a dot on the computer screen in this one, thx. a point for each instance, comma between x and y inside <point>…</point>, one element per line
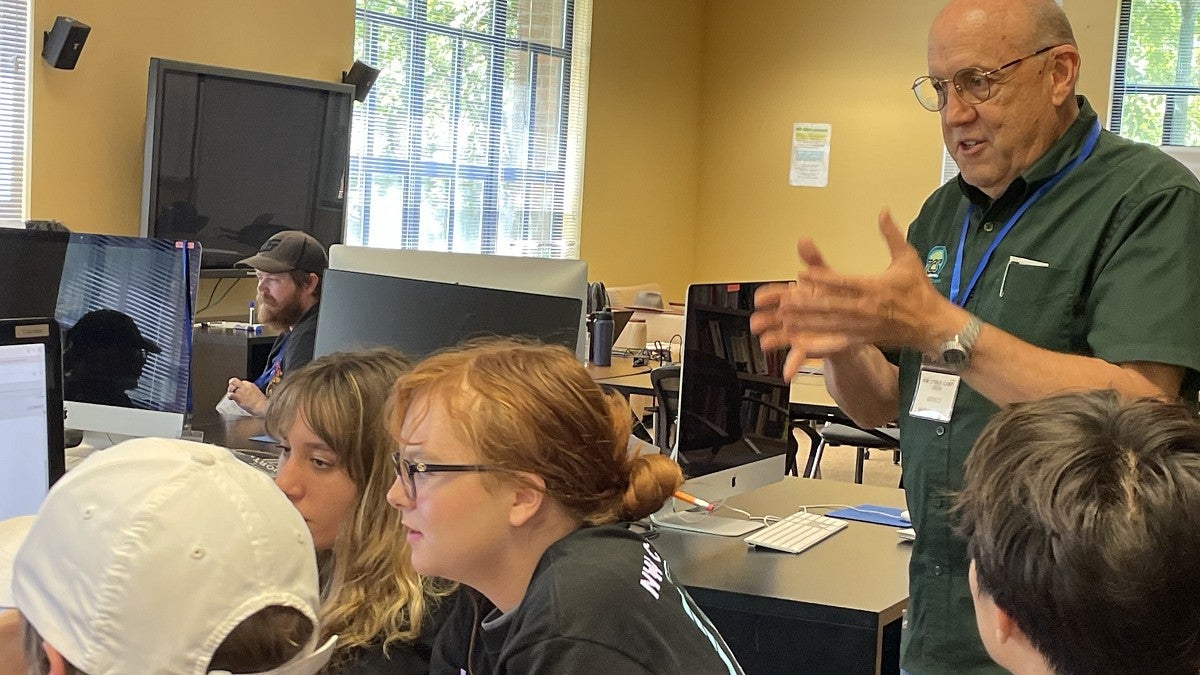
<point>125,305</point>
<point>31,427</point>
<point>540,276</point>
<point>360,310</point>
<point>234,156</point>
<point>31,263</point>
<point>733,430</point>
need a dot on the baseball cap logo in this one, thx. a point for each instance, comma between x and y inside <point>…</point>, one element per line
<point>269,245</point>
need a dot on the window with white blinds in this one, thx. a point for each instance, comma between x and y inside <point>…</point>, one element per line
<point>14,20</point>
<point>472,138</point>
<point>1156,76</point>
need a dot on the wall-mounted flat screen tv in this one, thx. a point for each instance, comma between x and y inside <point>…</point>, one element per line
<point>234,156</point>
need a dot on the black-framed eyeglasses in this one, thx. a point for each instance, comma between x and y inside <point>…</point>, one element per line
<point>407,471</point>
<point>974,86</point>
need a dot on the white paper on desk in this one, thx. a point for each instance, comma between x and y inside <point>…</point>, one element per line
<point>227,406</point>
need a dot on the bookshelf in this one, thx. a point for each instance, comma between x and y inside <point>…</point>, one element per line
<point>718,324</point>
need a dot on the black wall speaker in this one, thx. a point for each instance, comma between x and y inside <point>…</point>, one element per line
<point>362,76</point>
<point>64,41</point>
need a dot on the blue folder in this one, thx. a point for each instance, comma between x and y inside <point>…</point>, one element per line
<point>872,513</point>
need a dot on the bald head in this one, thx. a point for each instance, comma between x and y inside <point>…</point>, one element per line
<point>1028,54</point>
<point>1027,25</point>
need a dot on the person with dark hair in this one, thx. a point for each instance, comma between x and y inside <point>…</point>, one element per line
<point>1060,258</point>
<point>161,557</point>
<point>511,478</point>
<point>289,267</point>
<point>104,354</point>
<point>1082,519</point>
<point>335,467</point>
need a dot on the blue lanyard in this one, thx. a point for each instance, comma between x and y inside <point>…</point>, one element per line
<point>960,299</point>
<point>273,366</point>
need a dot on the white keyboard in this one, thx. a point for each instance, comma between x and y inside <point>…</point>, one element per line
<point>797,532</point>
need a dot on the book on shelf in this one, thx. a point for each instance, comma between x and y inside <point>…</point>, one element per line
<point>741,351</point>
<point>757,358</point>
<point>718,339</point>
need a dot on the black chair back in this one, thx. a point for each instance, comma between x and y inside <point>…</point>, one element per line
<point>710,403</point>
<point>665,382</point>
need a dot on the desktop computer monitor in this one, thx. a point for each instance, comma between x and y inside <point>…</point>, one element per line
<point>31,264</point>
<point>420,317</point>
<point>734,430</point>
<point>538,276</point>
<point>31,425</point>
<point>125,305</point>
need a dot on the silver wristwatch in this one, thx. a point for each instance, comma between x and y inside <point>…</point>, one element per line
<point>955,353</point>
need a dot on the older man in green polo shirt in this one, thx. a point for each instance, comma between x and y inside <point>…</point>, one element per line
<point>1062,257</point>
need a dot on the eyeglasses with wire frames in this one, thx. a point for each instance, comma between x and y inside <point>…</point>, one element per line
<point>407,471</point>
<point>974,86</point>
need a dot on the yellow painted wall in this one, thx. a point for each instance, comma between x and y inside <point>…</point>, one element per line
<point>1095,24</point>
<point>770,63</point>
<point>642,159</point>
<point>86,125</point>
<point>690,112</point>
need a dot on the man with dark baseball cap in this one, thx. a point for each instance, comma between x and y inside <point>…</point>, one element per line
<point>289,267</point>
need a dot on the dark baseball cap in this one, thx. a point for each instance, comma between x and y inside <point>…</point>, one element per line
<point>109,327</point>
<point>286,251</point>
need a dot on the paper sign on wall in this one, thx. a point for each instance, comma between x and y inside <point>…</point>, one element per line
<point>810,154</point>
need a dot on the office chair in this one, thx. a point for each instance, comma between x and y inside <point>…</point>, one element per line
<point>863,440</point>
<point>717,399</point>
<point>665,382</point>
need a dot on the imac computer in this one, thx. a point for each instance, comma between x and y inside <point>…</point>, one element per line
<point>31,425</point>
<point>734,430</point>
<point>422,301</point>
<point>31,264</point>
<point>125,305</point>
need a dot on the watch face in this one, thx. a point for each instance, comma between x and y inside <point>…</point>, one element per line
<point>954,356</point>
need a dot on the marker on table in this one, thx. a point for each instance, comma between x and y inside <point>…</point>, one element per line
<point>694,501</point>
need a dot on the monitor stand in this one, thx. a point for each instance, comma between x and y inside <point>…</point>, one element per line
<point>92,441</point>
<point>699,521</point>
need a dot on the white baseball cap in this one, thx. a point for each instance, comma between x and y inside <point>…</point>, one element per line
<point>144,557</point>
<point>12,533</point>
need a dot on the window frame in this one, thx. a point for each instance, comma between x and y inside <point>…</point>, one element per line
<point>1174,128</point>
<point>14,109</point>
<point>368,167</point>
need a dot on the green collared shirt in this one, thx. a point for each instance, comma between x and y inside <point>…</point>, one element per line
<point>1103,265</point>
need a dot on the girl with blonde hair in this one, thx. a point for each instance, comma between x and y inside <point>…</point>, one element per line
<point>335,468</point>
<point>512,479</point>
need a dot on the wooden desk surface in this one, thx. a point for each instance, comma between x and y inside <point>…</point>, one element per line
<point>622,366</point>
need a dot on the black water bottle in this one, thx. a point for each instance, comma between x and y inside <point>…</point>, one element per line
<point>602,338</point>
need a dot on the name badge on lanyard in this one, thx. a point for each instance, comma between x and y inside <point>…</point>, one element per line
<point>938,389</point>
<point>936,392</point>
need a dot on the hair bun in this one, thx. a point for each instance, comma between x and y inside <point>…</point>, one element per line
<point>652,479</point>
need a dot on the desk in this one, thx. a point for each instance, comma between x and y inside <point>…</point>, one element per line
<point>809,399</point>
<point>219,354</point>
<point>835,608</point>
<point>235,432</point>
<point>623,376</point>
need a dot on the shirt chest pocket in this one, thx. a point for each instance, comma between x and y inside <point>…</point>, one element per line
<point>1038,304</point>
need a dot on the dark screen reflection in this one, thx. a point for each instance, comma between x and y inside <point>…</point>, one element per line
<point>104,354</point>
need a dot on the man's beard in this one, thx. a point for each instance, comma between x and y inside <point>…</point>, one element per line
<point>279,315</point>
